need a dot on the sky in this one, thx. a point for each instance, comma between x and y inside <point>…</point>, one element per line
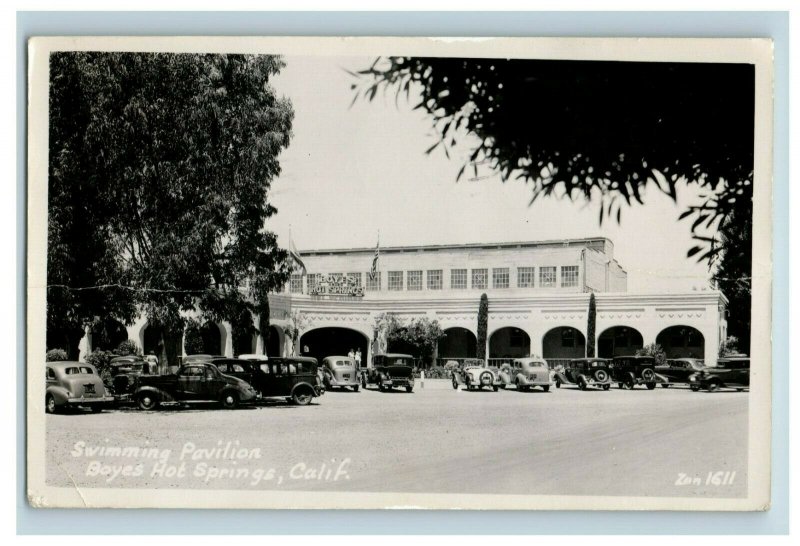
<point>351,172</point>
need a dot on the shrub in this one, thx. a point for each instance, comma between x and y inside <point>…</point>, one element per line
<point>729,347</point>
<point>656,351</point>
<point>100,360</point>
<point>128,347</point>
<point>434,372</point>
<point>55,355</point>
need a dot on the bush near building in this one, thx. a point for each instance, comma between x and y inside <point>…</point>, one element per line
<point>656,351</point>
<point>56,355</point>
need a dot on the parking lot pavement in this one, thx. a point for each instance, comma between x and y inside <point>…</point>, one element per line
<point>664,442</point>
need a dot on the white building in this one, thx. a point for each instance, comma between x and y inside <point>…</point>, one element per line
<point>538,303</point>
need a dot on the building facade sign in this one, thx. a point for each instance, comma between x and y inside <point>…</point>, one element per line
<point>333,285</point>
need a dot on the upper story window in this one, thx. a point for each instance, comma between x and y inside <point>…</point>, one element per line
<point>395,280</point>
<point>500,277</point>
<point>479,278</point>
<point>296,283</point>
<point>547,277</point>
<point>414,280</point>
<point>569,275</point>
<point>458,279</point>
<point>374,283</point>
<point>525,276</point>
<point>313,280</point>
<point>435,279</point>
<point>354,278</point>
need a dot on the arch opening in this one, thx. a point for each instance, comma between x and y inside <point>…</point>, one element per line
<point>108,334</point>
<point>509,342</point>
<point>333,341</point>
<point>564,342</point>
<point>682,342</point>
<point>457,343</point>
<point>619,341</point>
<point>273,341</point>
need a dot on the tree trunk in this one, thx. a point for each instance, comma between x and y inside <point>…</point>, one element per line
<point>172,347</point>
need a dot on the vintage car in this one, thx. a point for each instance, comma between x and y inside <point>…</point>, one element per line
<point>74,384</point>
<point>193,382</point>
<point>526,373</point>
<point>125,372</point>
<point>629,371</point>
<point>292,378</point>
<point>475,374</point>
<point>730,372</point>
<point>676,371</point>
<point>585,373</point>
<point>340,371</point>
<point>389,371</point>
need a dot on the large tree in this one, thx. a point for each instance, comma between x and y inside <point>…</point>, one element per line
<point>170,158</point>
<point>592,129</point>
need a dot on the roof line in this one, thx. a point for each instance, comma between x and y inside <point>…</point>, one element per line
<point>552,242</point>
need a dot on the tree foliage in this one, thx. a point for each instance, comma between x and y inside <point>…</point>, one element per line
<point>163,162</point>
<point>420,335</point>
<point>656,351</point>
<point>592,128</point>
<point>128,347</point>
<point>734,270</point>
<point>591,326</point>
<point>483,326</point>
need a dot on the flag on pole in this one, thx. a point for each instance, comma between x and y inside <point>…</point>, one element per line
<point>296,256</point>
<point>377,255</point>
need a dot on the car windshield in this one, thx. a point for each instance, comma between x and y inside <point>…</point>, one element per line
<point>398,362</point>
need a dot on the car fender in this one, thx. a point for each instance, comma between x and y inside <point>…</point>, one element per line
<point>662,378</point>
<point>163,395</point>
<point>304,385</point>
<point>59,394</point>
<point>561,377</point>
<point>520,378</point>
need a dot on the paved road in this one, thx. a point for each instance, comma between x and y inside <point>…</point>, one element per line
<point>435,440</point>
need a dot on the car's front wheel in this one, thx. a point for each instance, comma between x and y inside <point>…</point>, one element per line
<point>455,383</point>
<point>582,384</point>
<point>607,386</point>
<point>713,386</point>
<point>694,388</point>
<point>230,400</point>
<point>546,388</point>
<point>558,383</point>
<point>148,401</point>
<point>302,397</point>
<point>50,404</point>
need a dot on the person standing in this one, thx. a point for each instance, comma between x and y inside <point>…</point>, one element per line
<point>358,359</point>
<point>351,354</point>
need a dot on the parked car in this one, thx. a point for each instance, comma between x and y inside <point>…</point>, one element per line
<point>292,378</point>
<point>585,373</point>
<point>629,371</point>
<point>526,373</point>
<point>676,371</point>
<point>389,371</point>
<point>730,372</point>
<point>193,382</point>
<point>74,384</point>
<point>475,374</point>
<point>340,371</point>
<point>125,372</point>
<point>250,356</point>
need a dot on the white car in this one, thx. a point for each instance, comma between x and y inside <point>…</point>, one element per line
<point>476,375</point>
<point>526,373</point>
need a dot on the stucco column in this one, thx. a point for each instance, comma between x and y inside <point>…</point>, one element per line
<point>711,338</point>
<point>227,338</point>
<point>85,344</point>
<point>260,336</point>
